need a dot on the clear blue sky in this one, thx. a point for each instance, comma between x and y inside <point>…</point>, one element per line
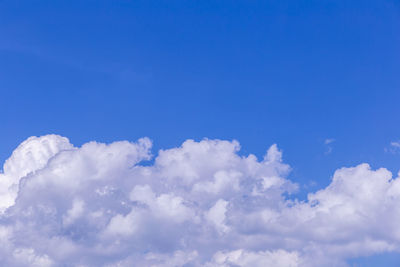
<point>293,73</point>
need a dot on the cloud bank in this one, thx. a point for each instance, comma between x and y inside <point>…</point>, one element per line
<point>200,204</point>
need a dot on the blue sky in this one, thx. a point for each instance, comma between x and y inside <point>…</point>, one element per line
<point>294,73</point>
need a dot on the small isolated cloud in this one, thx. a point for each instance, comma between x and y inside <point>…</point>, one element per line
<point>329,141</point>
<point>395,144</point>
<point>199,204</point>
<point>393,148</point>
<point>328,144</point>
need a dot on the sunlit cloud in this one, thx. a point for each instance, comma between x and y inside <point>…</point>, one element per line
<point>199,204</point>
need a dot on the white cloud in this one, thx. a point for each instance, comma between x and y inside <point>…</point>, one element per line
<point>256,259</point>
<point>198,204</point>
<point>29,157</point>
<point>75,212</point>
<point>217,215</point>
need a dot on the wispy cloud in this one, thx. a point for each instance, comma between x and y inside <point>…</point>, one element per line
<point>394,147</point>
<point>395,144</point>
<point>328,143</point>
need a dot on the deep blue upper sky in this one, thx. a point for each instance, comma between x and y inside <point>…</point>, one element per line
<point>288,72</point>
<point>293,73</point>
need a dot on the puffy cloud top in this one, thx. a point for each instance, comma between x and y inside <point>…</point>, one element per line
<point>200,204</point>
<point>30,156</point>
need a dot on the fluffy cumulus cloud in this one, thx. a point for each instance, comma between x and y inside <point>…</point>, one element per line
<point>200,204</point>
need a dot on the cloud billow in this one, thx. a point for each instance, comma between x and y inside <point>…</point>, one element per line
<point>200,204</point>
